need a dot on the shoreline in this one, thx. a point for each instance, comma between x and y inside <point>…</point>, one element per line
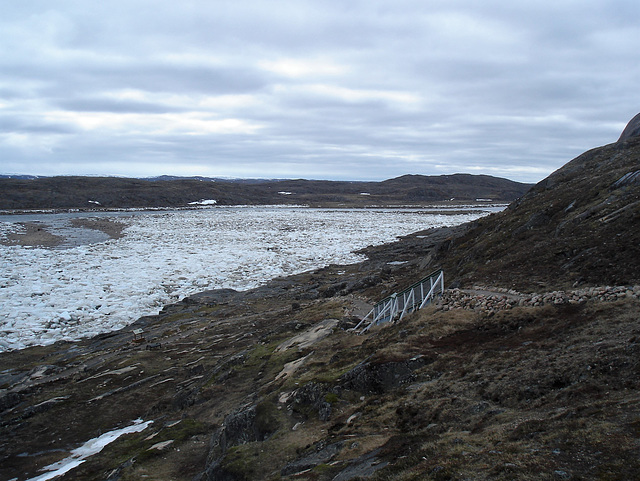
<point>35,234</point>
<point>39,234</point>
<point>114,229</point>
<point>74,307</point>
<point>54,233</point>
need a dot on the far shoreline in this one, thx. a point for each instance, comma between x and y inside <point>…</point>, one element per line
<point>37,234</point>
<point>40,231</point>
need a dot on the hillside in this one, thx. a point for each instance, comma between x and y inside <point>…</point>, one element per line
<point>113,192</point>
<point>494,382</point>
<point>580,225</point>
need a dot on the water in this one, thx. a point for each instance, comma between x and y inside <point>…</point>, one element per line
<point>92,286</point>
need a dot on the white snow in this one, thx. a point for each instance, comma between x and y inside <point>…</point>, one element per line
<point>204,202</point>
<point>52,294</point>
<point>91,447</point>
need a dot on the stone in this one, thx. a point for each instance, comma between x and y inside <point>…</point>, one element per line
<point>631,130</point>
<point>322,455</point>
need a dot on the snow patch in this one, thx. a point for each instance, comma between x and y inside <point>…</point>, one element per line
<point>91,447</point>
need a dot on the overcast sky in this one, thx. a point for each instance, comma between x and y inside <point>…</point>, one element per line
<point>326,89</point>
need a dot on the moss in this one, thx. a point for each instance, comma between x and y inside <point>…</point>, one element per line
<point>322,469</point>
<point>185,429</point>
<point>240,461</point>
<point>178,316</point>
<point>331,398</point>
<point>137,446</point>
<point>209,309</point>
<point>612,472</point>
<point>259,354</point>
<point>326,310</point>
<point>267,417</point>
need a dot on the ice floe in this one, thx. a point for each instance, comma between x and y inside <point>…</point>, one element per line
<point>47,295</point>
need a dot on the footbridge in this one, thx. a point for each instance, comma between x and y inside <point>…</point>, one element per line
<point>396,306</point>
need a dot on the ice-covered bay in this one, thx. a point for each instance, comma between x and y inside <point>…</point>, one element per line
<point>46,294</point>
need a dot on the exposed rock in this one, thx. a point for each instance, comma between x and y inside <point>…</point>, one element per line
<point>362,467</point>
<point>631,130</point>
<point>627,179</point>
<point>378,378</point>
<point>480,299</point>
<point>314,395</point>
<point>240,427</point>
<point>322,454</point>
<point>9,400</point>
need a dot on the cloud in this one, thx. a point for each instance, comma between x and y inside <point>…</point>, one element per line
<point>352,90</point>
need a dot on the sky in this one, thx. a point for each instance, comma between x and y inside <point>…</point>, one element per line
<point>326,89</point>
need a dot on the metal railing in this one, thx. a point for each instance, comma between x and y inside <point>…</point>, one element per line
<point>397,305</point>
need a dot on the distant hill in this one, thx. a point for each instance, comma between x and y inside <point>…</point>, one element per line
<point>211,179</point>
<point>114,192</point>
<point>18,176</point>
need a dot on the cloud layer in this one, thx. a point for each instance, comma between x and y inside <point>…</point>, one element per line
<point>314,89</point>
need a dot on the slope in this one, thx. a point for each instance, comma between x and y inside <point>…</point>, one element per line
<point>578,226</point>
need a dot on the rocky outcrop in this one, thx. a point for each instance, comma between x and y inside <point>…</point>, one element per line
<point>381,377</point>
<point>631,130</point>
<point>243,426</point>
<point>322,453</point>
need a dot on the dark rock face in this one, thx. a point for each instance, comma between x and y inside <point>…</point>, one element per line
<point>631,130</point>
<point>313,394</point>
<point>240,427</point>
<point>383,377</point>
<point>322,454</point>
<point>363,467</point>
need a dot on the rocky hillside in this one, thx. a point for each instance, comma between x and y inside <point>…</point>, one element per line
<point>112,192</point>
<point>580,225</point>
<point>493,382</point>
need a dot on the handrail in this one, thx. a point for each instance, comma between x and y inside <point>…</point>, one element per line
<point>406,301</point>
<point>433,274</point>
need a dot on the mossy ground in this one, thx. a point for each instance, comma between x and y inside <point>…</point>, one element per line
<point>529,393</point>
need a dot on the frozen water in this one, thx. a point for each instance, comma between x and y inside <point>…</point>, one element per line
<point>91,447</point>
<point>52,294</point>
